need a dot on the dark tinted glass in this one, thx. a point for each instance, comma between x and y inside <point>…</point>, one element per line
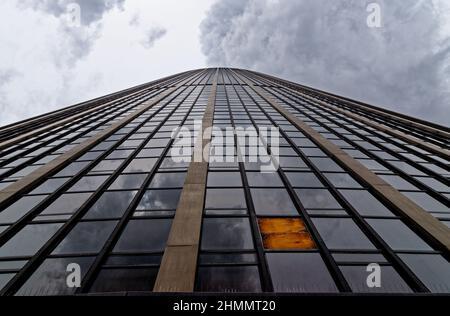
<point>86,238</point>
<point>365,203</point>
<point>159,200</point>
<point>299,273</point>
<point>342,180</point>
<point>226,233</point>
<point>50,186</point>
<point>125,280</point>
<point>225,198</point>
<point>111,205</point>
<point>144,235</point>
<point>317,199</point>
<point>304,180</point>
<point>341,233</point>
<point>20,208</point>
<point>273,202</point>
<point>258,179</point>
<point>224,179</point>
<point>228,279</point>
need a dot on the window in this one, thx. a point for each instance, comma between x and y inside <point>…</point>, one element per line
<point>73,169</point>
<point>341,233</point>
<point>149,235</point>
<point>342,180</point>
<point>258,179</point>
<point>365,203</point>
<point>50,278</point>
<point>89,183</point>
<point>111,205</point>
<point>67,203</point>
<point>159,200</point>
<point>273,202</point>
<point>224,179</point>
<point>50,186</point>
<point>304,180</point>
<point>299,273</point>
<point>125,280</point>
<point>226,234</point>
<point>20,208</point>
<point>397,235</point>
<point>86,237</point>
<point>427,202</point>
<point>317,199</point>
<point>29,240</point>
<point>106,166</point>
<point>228,279</point>
<point>391,281</point>
<point>140,165</point>
<point>128,182</point>
<point>285,233</point>
<point>326,164</point>
<point>225,199</point>
<point>168,180</point>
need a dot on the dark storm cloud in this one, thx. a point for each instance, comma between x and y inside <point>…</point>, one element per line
<point>404,65</point>
<point>91,10</point>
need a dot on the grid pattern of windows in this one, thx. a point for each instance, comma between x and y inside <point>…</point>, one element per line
<point>310,226</point>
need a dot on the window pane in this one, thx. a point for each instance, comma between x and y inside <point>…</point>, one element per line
<point>391,282</point>
<point>299,273</point>
<point>258,179</point>
<point>228,279</point>
<point>273,202</point>
<point>317,199</point>
<point>125,280</point>
<point>67,203</point>
<point>159,200</point>
<point>144,235</point>
<point>304,180</point>
<point>50,278</point>
<point>168,180</point>
<point>50,186</point>
<point>20,208</point>
<point>224,179</point>
<point>285,233</point>
<point>397,235</point>
<point>365,203</point>
<point>342,180</point>
<point>433,270</point>
<point>427,202</point>
<point>86,238</point>
<point>29,240</point>
<point>128,182</point>
<point>140,165</point>
<point>341,233</point>
<point>111,205</point>
<point>225,198</point>
<point>226,233</point>
<point>91,183</point>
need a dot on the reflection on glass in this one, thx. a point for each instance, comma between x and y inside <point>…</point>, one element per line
<point>20,208</point>
<point>273,202</point>
<point>128,182</point>
<point>168,180</point>
<point>50,186</point>
<point>29,240</point>
<point>111,205</point>
<point>72,169</point>
<point>426,202</point>
<point>67,203</point>
<point>88,183</point>
<point>397,235</point>
<point>342,180</point>
<point>391,281</point>
<point>341,233</point>
<point>224,179</point>
<point>228,279</point>
<point>88,237</point>
<point>159,200</point>
<point>228,258</point>
<point>299,273</point>
<point>432,270</point>
<point>285,233</point>
<point>5,278</point>
<point>125,280</point>
<point>225,199</point>
<point>107,166</point>
<point>365,203</point>
<point>226,233</point>
<point>326,164</point>
<point>50,278</point>
<point>140,165</point>
<point>317,199</point>
<point>304,180</point>
<point>258,179</point>
<point>144,235</point>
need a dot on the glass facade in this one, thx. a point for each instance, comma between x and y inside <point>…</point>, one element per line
<point>311,225</point>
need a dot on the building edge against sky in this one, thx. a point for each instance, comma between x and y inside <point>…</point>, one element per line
<point>356,190</point>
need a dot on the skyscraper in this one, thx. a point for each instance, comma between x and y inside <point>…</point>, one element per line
<point>224,180</point>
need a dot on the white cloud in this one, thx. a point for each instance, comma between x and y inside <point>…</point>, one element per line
<point>404,65</point>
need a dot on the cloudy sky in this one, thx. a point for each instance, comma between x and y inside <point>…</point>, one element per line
<point>47,61</point>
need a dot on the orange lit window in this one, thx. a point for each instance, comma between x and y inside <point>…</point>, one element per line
<point>285,233</point>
